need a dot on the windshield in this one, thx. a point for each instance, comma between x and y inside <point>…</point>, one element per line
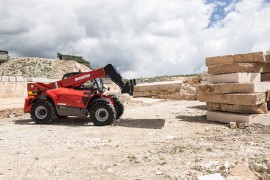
<point>99,83</point>
<point>96,84</point>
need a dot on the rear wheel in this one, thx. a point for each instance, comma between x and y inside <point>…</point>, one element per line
<point>118,105</point>
<point>102,113</point>
<point>43,112</point>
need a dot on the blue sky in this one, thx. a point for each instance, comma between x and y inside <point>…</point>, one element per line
<point>141,38</point>
<point>219,10</point>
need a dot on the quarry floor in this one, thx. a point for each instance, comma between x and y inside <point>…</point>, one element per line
<point>155,139</point>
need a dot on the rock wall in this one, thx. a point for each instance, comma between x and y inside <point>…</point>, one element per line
<point>16,86</point>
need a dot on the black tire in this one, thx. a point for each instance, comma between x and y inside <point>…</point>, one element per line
<point>43,112</point>
<point>118,105</point>
<point>102,113</point>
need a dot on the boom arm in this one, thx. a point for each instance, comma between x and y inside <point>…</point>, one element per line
<point>108,71</point>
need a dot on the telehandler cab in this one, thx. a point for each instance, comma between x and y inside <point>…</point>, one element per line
<point>78,94</point>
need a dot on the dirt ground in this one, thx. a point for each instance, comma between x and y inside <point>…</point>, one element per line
<point>157,139</point>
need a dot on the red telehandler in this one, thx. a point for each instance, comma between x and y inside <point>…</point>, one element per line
<point>78,94</point>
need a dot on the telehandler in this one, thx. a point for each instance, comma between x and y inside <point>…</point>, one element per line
<point>78,94</point>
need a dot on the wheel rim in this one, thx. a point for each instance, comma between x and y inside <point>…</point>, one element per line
<point>102,115</point>
<point>41,112</point>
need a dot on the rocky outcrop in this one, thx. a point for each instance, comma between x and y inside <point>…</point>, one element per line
<point>39,67</point>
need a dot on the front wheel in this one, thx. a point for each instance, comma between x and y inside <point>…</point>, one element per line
<point>102,113</point>
<point>43,112</point>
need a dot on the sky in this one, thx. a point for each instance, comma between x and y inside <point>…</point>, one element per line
<point>142,38</point>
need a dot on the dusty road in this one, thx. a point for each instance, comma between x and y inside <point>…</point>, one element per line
<point>155,140</point>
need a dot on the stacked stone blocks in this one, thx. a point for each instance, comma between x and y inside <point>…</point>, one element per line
<point>237,88</point>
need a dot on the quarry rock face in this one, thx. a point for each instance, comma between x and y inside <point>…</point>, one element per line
<point>40,67</point>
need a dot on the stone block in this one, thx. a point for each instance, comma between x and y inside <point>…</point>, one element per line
<point>239,99</point>
<point>20,79</point>
<point>239,67</point>
<point>176,96</point>
<point>153,93</point>
<point>5,78</point>
<point>225,117</point>
<point>234,78</point>
<point>13,89</point>
<point>256,109</point>
<point>158,86</point>
<point>255,57</point>
<point>30,79</point>
<point>219,60</point>
<point>12,79</point>
<point>234,88</point>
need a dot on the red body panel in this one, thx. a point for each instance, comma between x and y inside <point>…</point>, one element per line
<point>67,97</point>
<point>28,104</point>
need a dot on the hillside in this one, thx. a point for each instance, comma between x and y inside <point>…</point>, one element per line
<point>40,67</point>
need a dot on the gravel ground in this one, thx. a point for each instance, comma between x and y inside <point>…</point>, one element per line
<point>153,140</point>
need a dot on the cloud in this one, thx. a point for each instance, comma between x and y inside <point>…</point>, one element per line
<point>141,38</point>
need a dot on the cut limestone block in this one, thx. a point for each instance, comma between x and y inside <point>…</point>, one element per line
<point>12,79</point>
<point>240,99</point>
<point>177,96</point>
<point>20,79</point>
<point>265,76</point>
<point>30,79</point>
<point>5,79</point>
<point>256,57</point>
<point>153,93</point>
<point>219,60</point>
<point>234,78</point>
<point>239,67</point>
<point>158,86</point>
<point>257,109</point>
<point>234,88</point>
<point>225,117</point>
